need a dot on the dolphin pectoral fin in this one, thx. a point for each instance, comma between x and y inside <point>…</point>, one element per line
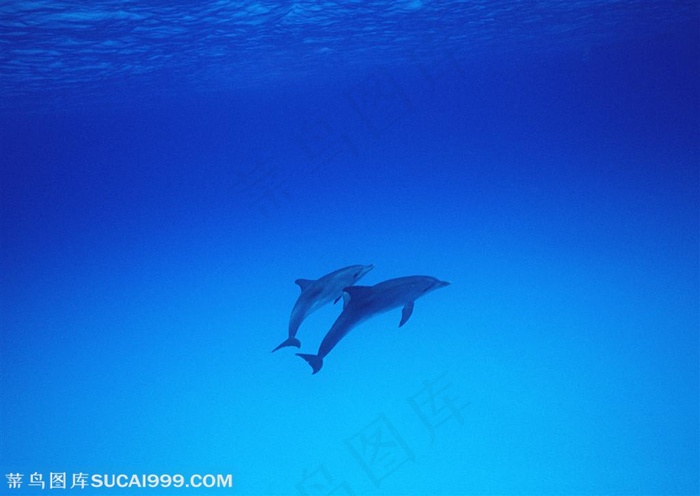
<point>315,361</point>
<point>288,342</point>
<point>406,313</point>
<point>303,283</point>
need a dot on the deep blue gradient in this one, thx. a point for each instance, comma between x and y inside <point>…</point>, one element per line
<point>167,172</point>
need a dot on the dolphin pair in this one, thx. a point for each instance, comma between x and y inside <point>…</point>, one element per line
<point>319,292</point>
<point>364,302</point>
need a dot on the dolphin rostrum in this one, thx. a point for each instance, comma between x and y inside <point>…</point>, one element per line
<point>315,294</point>
<point>363,302</point>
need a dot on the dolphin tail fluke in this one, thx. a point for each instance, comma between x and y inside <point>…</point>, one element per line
<point>315,361</point>
<point>289,342</point>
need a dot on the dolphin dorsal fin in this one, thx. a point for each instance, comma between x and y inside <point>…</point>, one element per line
<point>303,283</point>
<point>406,313</point>
<point>354,292</point>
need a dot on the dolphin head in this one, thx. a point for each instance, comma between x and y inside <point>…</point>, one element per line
<point>407,288</point>
<point>359,271</point>
<point>429,284</point>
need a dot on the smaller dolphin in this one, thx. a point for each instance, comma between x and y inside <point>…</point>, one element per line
<point>315,294</point>
<point>363,302</point>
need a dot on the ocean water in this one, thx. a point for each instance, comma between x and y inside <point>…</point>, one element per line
<point>169,169</point>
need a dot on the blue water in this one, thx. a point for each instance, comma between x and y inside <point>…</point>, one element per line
<point>168,169</point>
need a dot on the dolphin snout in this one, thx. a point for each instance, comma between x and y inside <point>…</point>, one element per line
<point>442,284</point>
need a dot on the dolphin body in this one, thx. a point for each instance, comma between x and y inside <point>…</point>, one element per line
<point>363,302</point>
<point>316,293</point>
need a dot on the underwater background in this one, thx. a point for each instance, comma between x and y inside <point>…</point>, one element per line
<point>169,169</point>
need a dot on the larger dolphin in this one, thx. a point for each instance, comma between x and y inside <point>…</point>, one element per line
<point>315,294</point>
<point>363,302</point>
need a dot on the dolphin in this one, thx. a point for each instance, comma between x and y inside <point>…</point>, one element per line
<point>316,293</point>
<point>363,302</point>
